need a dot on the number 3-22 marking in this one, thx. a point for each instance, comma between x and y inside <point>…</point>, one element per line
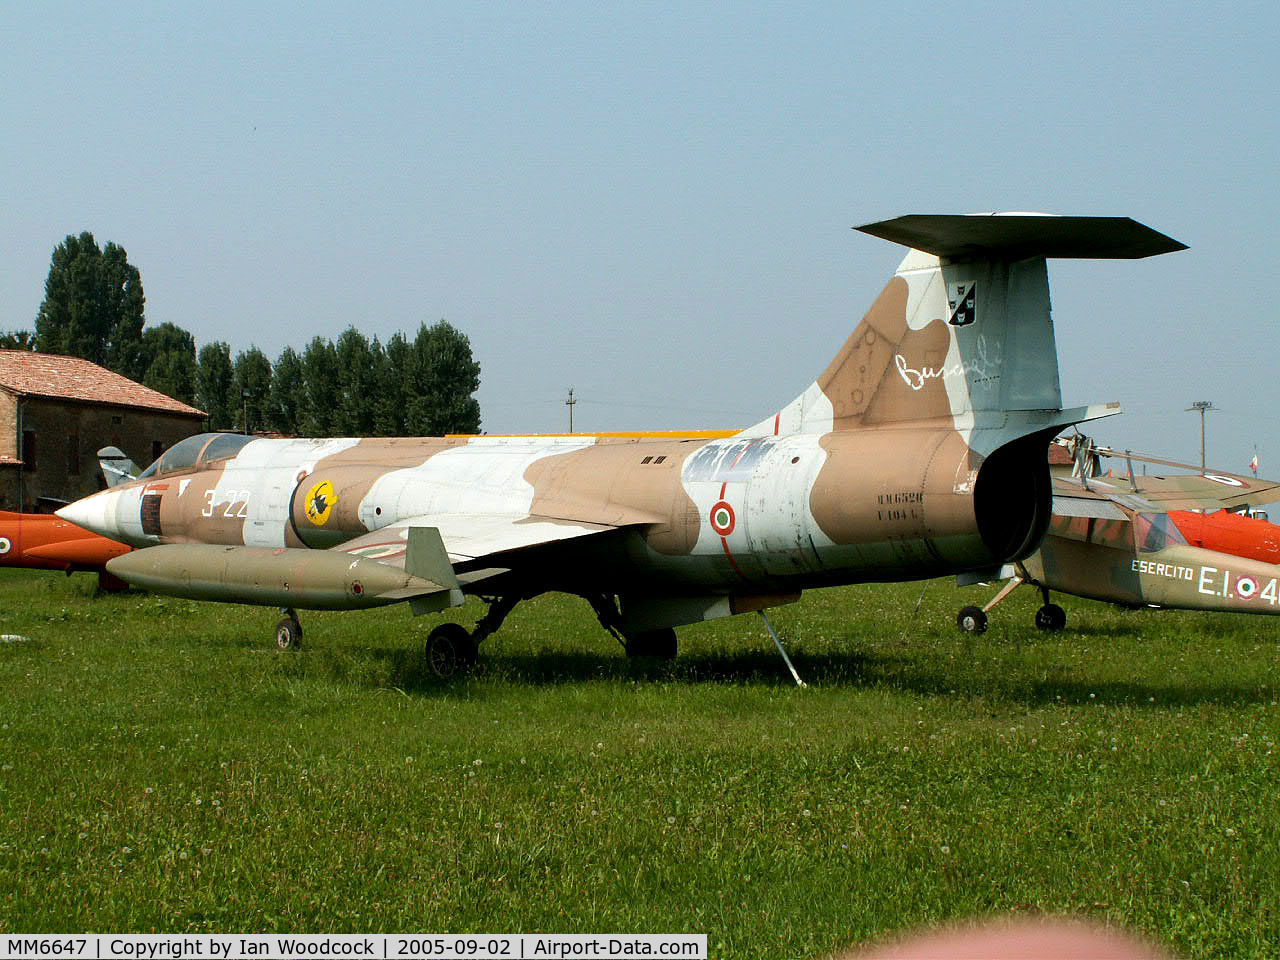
<point>231,497</point>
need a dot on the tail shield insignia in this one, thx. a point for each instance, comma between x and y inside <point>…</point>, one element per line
<point>963,302</point>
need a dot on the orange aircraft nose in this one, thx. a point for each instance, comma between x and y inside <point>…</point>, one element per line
<point>85,552</point>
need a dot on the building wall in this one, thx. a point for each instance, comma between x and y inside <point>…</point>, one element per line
<point>8,424</point>
<point>63,437</point>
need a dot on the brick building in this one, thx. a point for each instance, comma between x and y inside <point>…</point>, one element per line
<point>57,412</point>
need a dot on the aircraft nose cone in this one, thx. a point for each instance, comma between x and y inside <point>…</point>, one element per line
<point>96,512</point>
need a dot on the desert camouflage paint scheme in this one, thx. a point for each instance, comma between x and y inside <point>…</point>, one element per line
<point>918,452</point>
<point>1127,542</point>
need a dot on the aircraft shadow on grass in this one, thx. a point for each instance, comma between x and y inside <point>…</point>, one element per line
<point>1029,687</point>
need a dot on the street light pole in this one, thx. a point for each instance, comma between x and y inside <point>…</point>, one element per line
<point>569,403</point>
<point>1204,406</point>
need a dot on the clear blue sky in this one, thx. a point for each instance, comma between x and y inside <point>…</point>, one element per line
<point>652,203</point>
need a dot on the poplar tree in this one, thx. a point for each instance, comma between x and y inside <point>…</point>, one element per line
<point>449,378</point>
<point>251,375</point>
<point>93,306</point>
<point>319,389</point>
<point>170,354</point>
<point>213,385</point>
<point>287,393</point>
<point>359,369</point>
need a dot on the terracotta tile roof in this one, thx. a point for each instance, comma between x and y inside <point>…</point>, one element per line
<point>71,378</point>
<point>1059,456</point>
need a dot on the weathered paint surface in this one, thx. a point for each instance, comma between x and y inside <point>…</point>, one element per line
<point>1146,560</point>
<point>896,463</point>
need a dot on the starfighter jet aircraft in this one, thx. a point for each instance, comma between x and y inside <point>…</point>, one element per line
<point>918,452</point>
<point>1147,541</point>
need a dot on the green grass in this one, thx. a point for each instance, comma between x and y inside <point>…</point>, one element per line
<point>164,768</point>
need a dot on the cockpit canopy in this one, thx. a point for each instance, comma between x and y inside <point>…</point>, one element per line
<point>201,448</point>
<point>1144,532</point>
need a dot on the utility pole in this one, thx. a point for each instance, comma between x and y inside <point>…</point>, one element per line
<point>1204,406</point>
<point>569,403</point>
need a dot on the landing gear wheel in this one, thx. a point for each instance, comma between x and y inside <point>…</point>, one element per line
<point>289,634</point>
<point>450,650</point>
<point>653,643</point>
<point>1051,617</point>
<point>972,620</point>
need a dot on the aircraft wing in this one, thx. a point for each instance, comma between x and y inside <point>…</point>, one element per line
<point>469,537</point>
<point>1208,490</point>
<point>1097,498</point>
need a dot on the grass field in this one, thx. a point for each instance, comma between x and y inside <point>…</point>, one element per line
<point>165,769</point>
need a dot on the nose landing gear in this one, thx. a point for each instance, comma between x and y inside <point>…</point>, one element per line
<point>289,630</point>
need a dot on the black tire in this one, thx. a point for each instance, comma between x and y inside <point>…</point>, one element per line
<point>288,634</point>
<point>972,620</point>
<point>450,651</point>
<point>660,644</point>
<point>1051,617</point>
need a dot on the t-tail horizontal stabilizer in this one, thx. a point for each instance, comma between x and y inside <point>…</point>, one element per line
<point>1016,236</point>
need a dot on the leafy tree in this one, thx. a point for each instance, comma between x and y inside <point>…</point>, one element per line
<point>397,363</point>
<point>449,376</point>
<point>17,340</point>
<point>251,374</point>
<point>286,392</point>
<point>213,385</point>
<point>359,369</point>
<point>93,306</point>
<point>319,389</point>
<point>170,354</point>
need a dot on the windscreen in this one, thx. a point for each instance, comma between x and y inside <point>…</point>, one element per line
<point>1155,531</point>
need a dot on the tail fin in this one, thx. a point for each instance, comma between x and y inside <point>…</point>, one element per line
<point>116,466</point>
<point>963,331</point>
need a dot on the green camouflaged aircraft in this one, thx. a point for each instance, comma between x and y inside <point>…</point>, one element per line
<point>1156,541</point>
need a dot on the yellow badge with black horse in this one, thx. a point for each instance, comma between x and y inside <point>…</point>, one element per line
<point>320,501</point>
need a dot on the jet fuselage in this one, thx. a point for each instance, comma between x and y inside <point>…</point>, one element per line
<point>720,514</point>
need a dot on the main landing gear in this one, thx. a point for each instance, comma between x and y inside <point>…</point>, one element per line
<point>1049,617</point>
<point>972,620</point>
<point>451,649</point>
<point>658,644</point>
<point>661,644</point>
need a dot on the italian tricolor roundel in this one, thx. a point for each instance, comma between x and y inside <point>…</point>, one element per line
<point>722,518</point>
<point>1246,587</point>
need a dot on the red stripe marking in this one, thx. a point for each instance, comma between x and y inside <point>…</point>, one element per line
<point>732,562</point>
<point>777,418</point>
<point>743,452</point>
